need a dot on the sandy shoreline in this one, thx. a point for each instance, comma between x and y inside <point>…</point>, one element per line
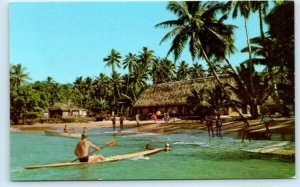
<point>94,124</point>
<point>286,126</point>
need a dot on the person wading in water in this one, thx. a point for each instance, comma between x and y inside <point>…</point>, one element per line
<point>219,125</point>
<point>209,125</point>
<point>245,130</point>
<point>267,119</point>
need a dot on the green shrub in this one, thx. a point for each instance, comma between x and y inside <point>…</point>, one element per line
<point>69,120</point>
<point>33,115</point>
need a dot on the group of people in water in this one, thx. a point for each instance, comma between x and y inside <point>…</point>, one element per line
<point>266,120</point>
<point>82,147</point>
<point>209,125</point>
<point>121,120</point>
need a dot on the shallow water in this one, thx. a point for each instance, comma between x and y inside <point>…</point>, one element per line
<point>193,156</point>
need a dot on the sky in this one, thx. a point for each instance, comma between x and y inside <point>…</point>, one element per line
<point>68,40</point>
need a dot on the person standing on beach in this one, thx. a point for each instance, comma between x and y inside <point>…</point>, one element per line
<point>209,126</point>
<point>84,132</point>
<point>245,130</point>
<point>154,117</point>
<point>113,120</point>
<point>267,119</point>
<point>166,117</point>
<point>219,125</point>
<point>121,122</point>
<point>82,151</point>
<point>67,129</point>
<point>137,119</point>
<point>173,114</point>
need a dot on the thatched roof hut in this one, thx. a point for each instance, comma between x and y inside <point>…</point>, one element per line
<point>173,96</point>
<point>176,93</point>
<point>64,110</point>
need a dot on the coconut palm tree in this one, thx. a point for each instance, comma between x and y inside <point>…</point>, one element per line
<point>197,101</point>
<point>18,75</point>
<point>162,70</point>
<point>145,59</point>
<point>138,79</point>
<point>130,62</point>
<point>116,82</point>
<point>245,8</point>
<point>261,8</point>
<point>197,71</point>
<point>53,88</point>
<point>198,26</point>
<point>113,59</point>
<point>183,72</point>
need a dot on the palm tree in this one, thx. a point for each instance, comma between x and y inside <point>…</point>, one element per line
<point>53,89</point>
<point>217,67</point>
<point>261,8</point>
<point>197,71</point>
<point>183,71</point>
<point>138,79</point>
<point>261,87</point>
<point>245,7</point>
<point>145,59</point>
<point>116,82</point>
<point>113,59</point>
<point>197,101</point>
<point>163,70</point>
<point>198,26</point>
<point>18,76</point>
<point>130,62</point>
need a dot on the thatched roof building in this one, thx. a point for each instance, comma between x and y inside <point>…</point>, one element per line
<point>64,110</point>
<point>174,94</point>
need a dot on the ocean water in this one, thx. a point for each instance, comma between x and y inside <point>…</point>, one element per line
<point>193,156</point>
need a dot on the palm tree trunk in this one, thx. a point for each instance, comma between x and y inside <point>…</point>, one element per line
<point>210,64</point>
<point>261,23</point>
<point>253,106</point>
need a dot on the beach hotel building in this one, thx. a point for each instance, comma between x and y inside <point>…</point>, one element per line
<point>172,96</point>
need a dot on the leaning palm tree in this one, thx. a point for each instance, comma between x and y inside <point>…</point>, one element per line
<point>18,75</point>
<point>113,59</point>
<point>198,26</point>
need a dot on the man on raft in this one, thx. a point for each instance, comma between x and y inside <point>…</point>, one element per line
<point>82,150</point>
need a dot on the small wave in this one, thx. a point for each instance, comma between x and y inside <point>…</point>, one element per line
<point>17,169</point>
<point>144,134</point>
<point>189,143</point>
<point>140,158</point>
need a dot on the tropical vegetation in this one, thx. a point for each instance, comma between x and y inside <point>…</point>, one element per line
<point>201,27</point>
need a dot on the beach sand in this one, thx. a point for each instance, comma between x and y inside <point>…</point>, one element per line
<point>286,125</point>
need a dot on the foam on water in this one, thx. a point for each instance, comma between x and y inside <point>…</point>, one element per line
<point>140,158</point>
